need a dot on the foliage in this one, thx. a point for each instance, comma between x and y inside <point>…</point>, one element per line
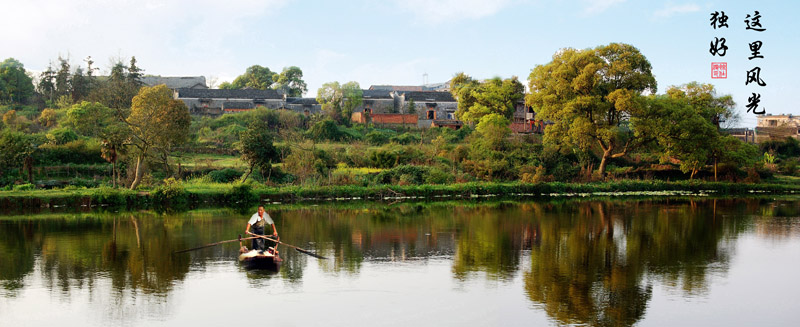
<point>74,152</point>
<point>703,98</point>
<point>590,95</point>
<point>15,84</point>
<point>156,121</point>
<point>786,148</point>
<point>290,80</point>
<point>255,77</point>
<point>376,137</point>
<point>14,148</point>
<point>338,101</point>
<point>226,175</point>
<point>405,138</point>
<point>48,118</point>
<point>680,130</point>
<point>59,136</point>
<point>327,130</point>
<point>170,195</point>
<point>495,96</point>
<point>255,145</point>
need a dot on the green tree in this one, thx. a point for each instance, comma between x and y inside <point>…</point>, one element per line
<point>255,77</point>
<point>412,107</point>
<point>680,130</point>
<point>63,82</point>
<point>15,149</point>
<point>339,100</point>
<point>157,121</point>
<point>703,97</point>
<point>590,96</point>
<point>476,99</point>
<point>257,149</point>
<point>47,86</point>
<point>15,84</point>
<point>290,81</point>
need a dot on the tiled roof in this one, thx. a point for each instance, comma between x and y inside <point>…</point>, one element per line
<point>376,94</point>
<point>303,101</point>
<point>447,122</point>
<point>175,82</point>
<point>423,96</point>
<point>229,94</point>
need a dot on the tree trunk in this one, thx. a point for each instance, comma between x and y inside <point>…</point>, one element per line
<point>29,168</point>
<point>139,171</point>
<point>602,168</point>
<point>715,169</point>
<point>248,174</point>
<point>691,176</point>
<point>114,174</point>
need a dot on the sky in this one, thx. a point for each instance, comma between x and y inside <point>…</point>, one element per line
<point>399,41</point>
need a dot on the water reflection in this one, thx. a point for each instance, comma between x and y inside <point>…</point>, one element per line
<point>581,262</point>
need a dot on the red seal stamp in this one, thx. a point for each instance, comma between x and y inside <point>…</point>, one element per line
<point>719,70</point>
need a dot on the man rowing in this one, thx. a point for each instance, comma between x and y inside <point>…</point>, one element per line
<point>258,222</point>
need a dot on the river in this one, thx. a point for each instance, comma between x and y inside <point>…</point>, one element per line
<point>605,262</point>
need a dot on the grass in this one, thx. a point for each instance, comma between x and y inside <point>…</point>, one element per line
<point>194,160</point>
<point>199,193</point>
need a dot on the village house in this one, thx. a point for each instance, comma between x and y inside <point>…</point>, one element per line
<point>777,127</point>
<point>215,102</point>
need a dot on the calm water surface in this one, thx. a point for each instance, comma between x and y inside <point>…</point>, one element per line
<point>663,262</point>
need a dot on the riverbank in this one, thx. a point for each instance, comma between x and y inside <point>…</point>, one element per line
<point>182,196</point>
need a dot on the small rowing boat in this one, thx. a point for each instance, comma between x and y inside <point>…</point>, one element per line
<point>258,259</point>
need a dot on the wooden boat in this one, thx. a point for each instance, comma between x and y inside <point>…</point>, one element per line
<point>255,259</point>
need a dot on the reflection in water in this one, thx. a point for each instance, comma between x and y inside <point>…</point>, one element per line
<point>585,262</point>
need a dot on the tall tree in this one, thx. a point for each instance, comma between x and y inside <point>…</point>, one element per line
<point>290,81</point>
<point>718,109</point>
<point>255,145</point>
<point>157,122</point>
<point>47,86</point>
<point>15,84</point>
<point>495,96</point>
<point>590,96</point>
<point>255,77</point>
<point>63,82</point>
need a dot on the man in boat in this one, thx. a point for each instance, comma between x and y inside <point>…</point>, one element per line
<point>258,222</point>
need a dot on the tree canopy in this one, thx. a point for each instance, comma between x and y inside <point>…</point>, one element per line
<point>255,77</point>
<point>157,121</point>
<point>339,100</point>
<point>290,80</point>
<point>15,84</point>
<point>477,99</point>
<point>590,96</point>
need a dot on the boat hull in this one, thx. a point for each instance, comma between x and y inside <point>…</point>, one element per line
<point>260,259</point>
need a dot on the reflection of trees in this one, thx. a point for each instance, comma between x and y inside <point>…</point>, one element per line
<point>16,255</point>
<point>594,261</point>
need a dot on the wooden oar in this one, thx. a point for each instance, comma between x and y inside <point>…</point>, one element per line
<point>301,250</point>
<point>214,244</point>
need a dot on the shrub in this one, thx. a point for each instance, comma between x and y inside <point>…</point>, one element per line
<point>377,138</point>
<point>240,195</point>
<point>226,175</point>
<point>59,136</point>
<point>24,187</point>
<point>405,138</point>
<point>170,195</point>
<point>77,152</point>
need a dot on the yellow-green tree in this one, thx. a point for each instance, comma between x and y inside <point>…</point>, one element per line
<point>590,96</point>
<point>157,122</point>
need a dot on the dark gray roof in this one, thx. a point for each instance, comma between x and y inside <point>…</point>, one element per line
<point>377,94</point>
<point>176,82</point>
<point>303,101</point>
<point>237,105</point>
<point>424,96</point>
<point>229,94</point>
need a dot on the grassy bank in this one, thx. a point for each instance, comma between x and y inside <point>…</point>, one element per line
<point>184,195</point>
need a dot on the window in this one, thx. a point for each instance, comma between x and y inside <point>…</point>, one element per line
<point>431,114</point>
<point>773,122</point>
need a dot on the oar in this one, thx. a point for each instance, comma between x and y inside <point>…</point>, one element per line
<point>301,250</point>
<point>213,244</point>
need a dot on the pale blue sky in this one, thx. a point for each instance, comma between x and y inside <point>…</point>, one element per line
<point>396,42</point>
